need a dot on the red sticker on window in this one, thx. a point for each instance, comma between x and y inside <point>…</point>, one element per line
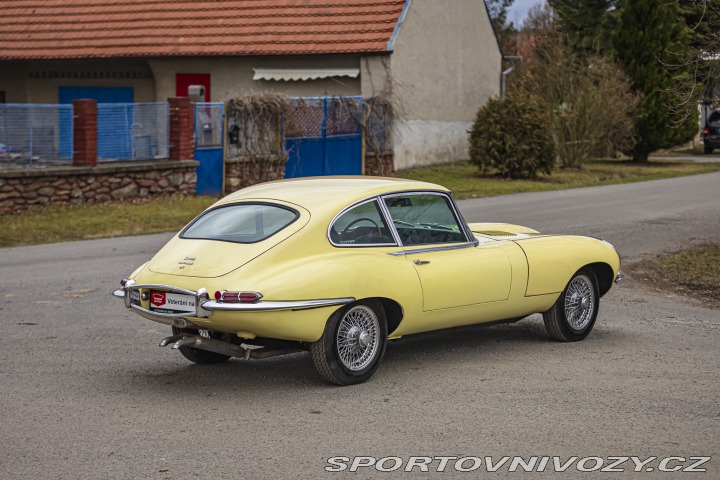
<point>158,299</point>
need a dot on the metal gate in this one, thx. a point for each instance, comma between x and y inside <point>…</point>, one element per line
<point>324,136</point>
<point>209,138</point>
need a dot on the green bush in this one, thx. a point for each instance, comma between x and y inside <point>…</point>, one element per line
<point>511,137</point>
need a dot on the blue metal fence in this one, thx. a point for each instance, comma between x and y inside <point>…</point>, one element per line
<point>209,144</point>
<point>133,131</point>
<point>35,134</point>
<point>323,136</point>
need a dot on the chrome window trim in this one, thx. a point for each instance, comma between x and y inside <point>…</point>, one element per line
<point>435,249</point>
<point>389,221</point>
<point>470,240</point>
<point>355,245</point>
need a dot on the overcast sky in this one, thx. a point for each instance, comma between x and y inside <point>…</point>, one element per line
<point>518,11</point>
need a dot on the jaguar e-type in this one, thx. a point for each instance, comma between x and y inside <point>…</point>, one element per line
<point>337,266</point>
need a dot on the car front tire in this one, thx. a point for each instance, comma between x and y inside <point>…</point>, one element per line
<point>575,311</point>
<point>352,345</point>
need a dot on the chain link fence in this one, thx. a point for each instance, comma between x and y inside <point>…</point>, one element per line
<point>133,131</point>
<point>35,134</point>
<point>343,116</point>
<point>209,124</point>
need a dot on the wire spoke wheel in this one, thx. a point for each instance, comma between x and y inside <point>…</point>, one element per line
<point>357,338</point>
<point>352,344</point>
<point>579,302</point>
<point>573,315</point>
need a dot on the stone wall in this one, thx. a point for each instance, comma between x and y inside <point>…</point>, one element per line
<point>380,165</point>
<point>241,172</point>
<point>21,188</point>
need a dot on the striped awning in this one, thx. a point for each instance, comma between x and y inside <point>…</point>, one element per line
<point>302,74</point>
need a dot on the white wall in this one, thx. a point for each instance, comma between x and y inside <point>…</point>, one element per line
<point>445,65</point>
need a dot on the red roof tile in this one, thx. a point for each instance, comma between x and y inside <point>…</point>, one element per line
<point>141,28</point>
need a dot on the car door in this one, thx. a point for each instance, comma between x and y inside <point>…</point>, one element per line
<point>454,270</point>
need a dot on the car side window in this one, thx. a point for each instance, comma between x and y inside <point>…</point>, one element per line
<point>362,224</point>
<point>424,219</point>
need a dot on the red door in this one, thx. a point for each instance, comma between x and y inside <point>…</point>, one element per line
<point>184,80</point>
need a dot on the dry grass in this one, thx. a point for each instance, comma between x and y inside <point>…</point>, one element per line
<point>465,181</point>
<point>83,222</point>
<point>694,273</point>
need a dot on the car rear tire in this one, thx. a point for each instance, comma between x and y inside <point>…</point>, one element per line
<point>708,149</point>
<point>575,311</point>
<point>200,356</point>
<point>352,345</point>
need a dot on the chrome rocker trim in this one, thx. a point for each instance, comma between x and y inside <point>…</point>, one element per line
<point>204,308</point>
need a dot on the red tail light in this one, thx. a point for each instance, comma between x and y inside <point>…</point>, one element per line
<point>237,297</point>
<point>707,131</point>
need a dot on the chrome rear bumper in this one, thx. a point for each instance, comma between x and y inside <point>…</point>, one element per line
<point>205,307</point>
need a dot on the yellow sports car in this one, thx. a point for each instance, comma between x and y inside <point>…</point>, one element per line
<point>337,266</point>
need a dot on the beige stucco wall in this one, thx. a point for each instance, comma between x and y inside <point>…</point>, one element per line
<point>230,76</point>
<point>445,65</point>
<point>37,81</point>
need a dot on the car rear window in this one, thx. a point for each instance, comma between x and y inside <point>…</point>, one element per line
<point>240,223</point>
<point>714,118</point>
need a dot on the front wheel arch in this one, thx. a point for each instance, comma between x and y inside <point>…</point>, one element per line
<point>604,275</point>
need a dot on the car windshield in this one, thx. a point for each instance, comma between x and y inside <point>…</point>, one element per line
<point>240,223</point>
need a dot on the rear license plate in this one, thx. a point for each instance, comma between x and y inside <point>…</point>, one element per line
<point>166,302</point>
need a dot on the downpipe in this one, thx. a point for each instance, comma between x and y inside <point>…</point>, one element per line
<point>248,352</point>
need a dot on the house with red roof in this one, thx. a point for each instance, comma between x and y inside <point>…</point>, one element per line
<point>439,60</point>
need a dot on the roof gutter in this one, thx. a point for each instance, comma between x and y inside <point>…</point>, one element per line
<point>391,42</point>
<point>503,78</point>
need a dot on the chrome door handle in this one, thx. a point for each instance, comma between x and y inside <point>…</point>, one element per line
<point>421,262</point>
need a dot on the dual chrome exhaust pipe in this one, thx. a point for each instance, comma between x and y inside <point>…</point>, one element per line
<point>224,348</point>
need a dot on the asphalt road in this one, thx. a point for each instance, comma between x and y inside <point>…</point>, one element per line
<point>86,393</point>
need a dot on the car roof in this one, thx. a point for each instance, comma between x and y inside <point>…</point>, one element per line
<point>331,193</point>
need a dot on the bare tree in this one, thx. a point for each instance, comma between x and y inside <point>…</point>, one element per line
<point>589,99</point>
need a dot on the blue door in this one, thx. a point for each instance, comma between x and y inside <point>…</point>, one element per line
<point>209,142</point>
<point>114,125</point>
<point>326,138</point>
